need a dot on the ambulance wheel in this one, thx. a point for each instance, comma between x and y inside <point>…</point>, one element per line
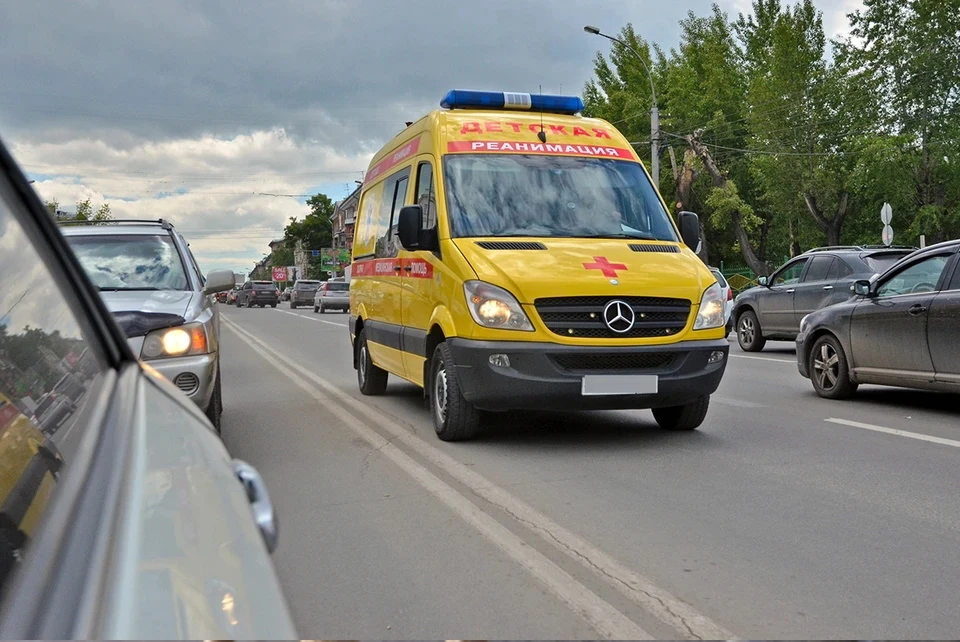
<point>689,416</point>
<point>454,418</point>
<point>372,380</point>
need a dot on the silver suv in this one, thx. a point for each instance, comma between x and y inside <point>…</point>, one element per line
<point>152,284</point>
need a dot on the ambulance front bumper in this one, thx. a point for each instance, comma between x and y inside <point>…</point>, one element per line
<point>540,376</point>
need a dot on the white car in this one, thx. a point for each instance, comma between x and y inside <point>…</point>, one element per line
<point>727,297</point>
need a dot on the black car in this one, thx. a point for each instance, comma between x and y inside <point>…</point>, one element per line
<point>815,279</point>
<point>262,293</point>
<point>899,329</point>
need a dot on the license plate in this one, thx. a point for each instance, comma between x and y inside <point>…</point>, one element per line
<point>594,385</point>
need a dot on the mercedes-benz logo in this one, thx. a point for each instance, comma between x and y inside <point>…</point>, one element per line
<point>619,316</point>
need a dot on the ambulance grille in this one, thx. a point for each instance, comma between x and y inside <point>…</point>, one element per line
<point>511,245</point>
<point>643,247</point>
<point>636,361</point>
<point>582,316</point>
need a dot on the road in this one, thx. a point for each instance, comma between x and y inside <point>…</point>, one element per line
<point>774,520</point>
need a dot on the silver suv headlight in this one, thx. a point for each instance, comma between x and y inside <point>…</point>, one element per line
<point>494,307</point>
<point>710,313</point>
<point>180,341</point>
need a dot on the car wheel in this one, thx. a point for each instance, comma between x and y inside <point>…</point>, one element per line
<point>689,416</point>
<point>293,306</point>
<point>273,305</point>
<point>454,418</point>
<point>749,335</point>
<point>372,380</point>
<point>215,409</point>
<point>323,310</point>
<point>315,309</point>
<point>829,370</point>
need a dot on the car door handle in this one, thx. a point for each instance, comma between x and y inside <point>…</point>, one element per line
<point>828,287</point>
<point>917,309</point>
<point>791,291</point>
<point>264,514</point>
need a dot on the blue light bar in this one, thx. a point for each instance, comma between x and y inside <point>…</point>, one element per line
<point>468,99</point>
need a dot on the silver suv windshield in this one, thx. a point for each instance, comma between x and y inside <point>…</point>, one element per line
<point>552,196</point>
<point>133,262</point>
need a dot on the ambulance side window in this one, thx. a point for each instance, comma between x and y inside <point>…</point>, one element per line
<point>426,196</point>
<point>394,195</point>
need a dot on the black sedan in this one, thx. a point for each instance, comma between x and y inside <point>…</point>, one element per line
<point>815,279</point>
<point>900,329</point>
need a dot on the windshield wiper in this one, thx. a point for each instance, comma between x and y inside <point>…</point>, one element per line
<point>131,289</point>
<point>625,235</point>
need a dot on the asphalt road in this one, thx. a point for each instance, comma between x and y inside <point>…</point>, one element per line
<point>775,520</point>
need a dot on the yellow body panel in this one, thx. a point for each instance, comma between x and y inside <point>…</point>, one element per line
<point>388,294</point>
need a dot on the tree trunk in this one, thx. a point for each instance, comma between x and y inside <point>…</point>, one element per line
<point>719,179</point>
<point>831,227</point>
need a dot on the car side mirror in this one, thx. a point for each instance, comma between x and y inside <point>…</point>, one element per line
<point>219,281</point>
<point>411,233</point>
<point>764,281</point>
<point>690,230</point>
<point>863,288</point>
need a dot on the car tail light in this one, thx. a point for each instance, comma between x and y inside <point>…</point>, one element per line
<point>729,294</point>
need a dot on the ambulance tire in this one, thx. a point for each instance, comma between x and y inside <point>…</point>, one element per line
<point>454,418</point>
<point>372,380</point>
<point>689,416</point>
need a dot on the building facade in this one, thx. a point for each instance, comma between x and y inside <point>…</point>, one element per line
<point>343,219</point>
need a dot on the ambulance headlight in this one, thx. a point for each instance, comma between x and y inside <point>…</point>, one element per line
<point>710,313</point>
<point>494,307</point>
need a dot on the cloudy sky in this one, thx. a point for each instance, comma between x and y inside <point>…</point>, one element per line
<point>219,114</point>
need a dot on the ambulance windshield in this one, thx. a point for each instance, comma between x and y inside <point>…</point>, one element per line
<point>552,196</point>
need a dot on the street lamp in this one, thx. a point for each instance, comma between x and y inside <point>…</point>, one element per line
<point>654,112</point>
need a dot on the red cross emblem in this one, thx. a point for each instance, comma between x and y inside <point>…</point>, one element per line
<point>606,267</point>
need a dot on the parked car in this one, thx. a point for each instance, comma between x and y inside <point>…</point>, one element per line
<point>815,279</point>
<point>332,295</point>
<point>130,520</point>
<point>727,298</point>
<point>302,292</point>
<point>150,280</point>
<point>262,293</point>
<point>900,329</point>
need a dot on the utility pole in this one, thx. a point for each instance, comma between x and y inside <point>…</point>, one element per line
<point>654,110</point>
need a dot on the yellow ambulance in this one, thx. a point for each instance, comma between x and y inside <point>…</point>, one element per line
<point>510,254</point>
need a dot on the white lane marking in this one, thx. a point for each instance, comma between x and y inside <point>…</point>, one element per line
<point>743,356</point>
<point>899,433</point>
<point>737,403</point>
<point>604,618</point>
<point>303,316</point>
<point>640,590</point>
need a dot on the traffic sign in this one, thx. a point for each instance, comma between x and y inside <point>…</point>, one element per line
<point>314,252</point>
<point>886,213</point>
<point>887,235</point>
<point>279,274</point>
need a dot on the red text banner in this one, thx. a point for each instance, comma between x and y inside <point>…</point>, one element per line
<point>554,149</point>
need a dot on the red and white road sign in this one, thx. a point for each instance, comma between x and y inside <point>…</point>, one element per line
<point>279,274</point>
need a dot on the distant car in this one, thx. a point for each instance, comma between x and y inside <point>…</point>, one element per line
<point>261,293</point>
<point>899,329</point>
<point>232,295</point>
<point>285,294</point>
<point>332,295</point>
<point>816,279</point>
<point>302,292</point>
<point>727,298</point>
<point>150,280</point>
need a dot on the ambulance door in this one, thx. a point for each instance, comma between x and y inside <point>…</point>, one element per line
<point>384,324</point>
<point>420,271</point>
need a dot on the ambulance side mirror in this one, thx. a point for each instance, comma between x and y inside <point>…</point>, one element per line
<point>690,230</point>
<point>411,233</point>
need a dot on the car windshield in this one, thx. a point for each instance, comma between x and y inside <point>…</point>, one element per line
<point>135,262</point>
<point>882,262</point>
<point>722,281</point>
<point>552,196</point>
<point>338,287</point>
